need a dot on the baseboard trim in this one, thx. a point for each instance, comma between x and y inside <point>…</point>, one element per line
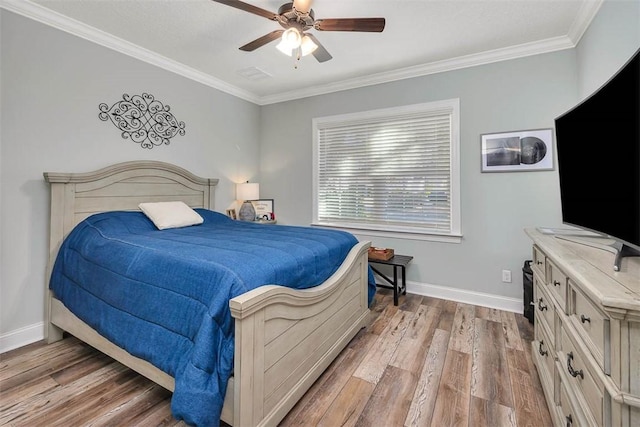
<point>499,302</point>
<point>21,337</point>
<point>35,332</point>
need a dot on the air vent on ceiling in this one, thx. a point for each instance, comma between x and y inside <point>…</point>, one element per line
<point>254,73</point>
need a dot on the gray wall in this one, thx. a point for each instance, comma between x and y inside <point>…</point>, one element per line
<point>612,38</point>
<point>52,83</point>
<point>527,93</point>
<point>512,95</point>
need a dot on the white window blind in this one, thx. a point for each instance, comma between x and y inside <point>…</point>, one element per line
<point>387,170</point>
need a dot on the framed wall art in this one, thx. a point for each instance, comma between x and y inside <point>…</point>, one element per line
<point>264,209</point>
<point>518,151</point>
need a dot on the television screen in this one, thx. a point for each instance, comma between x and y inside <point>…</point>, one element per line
<point>598,147</point>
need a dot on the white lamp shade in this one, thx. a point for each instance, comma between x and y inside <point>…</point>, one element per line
<point>248,191</point>
<point>307,46</point>
<point>302,5</point>
<point>284,47</point>
<point>291,38</point>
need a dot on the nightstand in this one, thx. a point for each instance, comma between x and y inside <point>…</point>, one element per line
<point>398,262</point>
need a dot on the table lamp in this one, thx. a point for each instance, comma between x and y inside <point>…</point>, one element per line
<point>247,191</point>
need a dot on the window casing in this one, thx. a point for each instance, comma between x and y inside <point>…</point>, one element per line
<point>394,169</point>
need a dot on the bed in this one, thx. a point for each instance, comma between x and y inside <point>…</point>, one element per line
<point>283,338</point>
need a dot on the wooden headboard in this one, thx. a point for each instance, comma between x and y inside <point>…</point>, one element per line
<point>122,186</point>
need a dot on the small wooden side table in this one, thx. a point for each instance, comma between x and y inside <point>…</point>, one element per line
<point>398,262</point>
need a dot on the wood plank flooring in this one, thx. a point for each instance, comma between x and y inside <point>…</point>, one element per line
<point>426,362</point>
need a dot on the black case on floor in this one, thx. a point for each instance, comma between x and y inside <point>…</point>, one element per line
<point>527,283</point>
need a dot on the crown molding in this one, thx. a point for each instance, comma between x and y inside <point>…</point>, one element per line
<point>587,12</point>
<point>46,16</point>
<point>513,52</point>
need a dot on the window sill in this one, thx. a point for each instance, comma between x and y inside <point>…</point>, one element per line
<point>408,235</point>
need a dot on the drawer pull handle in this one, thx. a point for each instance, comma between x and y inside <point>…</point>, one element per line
<point>540,306</point>
<point>538,262</point>
<point>556,283</point>
<point>572,371</point>
<point>541,351</point>
<point>569,419</point>
<point>585,319</point>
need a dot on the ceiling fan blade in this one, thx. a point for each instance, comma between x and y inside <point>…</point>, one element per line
<point>261,41</point>
<point>249,8</point>
<point>375,25</point>
<point>320,53</point>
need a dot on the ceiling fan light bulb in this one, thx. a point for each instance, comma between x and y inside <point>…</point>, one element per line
<point>302,6</point>
<point>307,46</point>
<point>284,47</point>
<point>292,38</point>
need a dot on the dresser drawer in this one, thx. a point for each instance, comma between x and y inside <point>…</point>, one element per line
<point>544,356</point>
<point>538,263</point>
<point>570,415</point>
<point>576,371</point>
<point>557,281</point>
<point>592,325</point>
<point>544,309</point>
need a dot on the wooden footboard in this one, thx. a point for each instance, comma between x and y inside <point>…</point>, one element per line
<point>284,338</point>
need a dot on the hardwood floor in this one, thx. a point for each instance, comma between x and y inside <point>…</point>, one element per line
<point>425,362</point>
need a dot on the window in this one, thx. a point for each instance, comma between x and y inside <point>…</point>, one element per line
<point>393,170</point>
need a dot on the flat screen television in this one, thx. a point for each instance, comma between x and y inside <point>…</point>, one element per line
<point>598,148</point>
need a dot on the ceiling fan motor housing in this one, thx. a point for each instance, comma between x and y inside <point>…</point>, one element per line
<point>289,17</point>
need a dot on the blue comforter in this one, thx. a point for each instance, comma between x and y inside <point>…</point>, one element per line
<point>164,295</point>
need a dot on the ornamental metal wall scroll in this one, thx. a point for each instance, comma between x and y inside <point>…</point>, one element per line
<point>144,119</point>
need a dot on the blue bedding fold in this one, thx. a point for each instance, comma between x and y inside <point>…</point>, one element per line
<point>164,295</point>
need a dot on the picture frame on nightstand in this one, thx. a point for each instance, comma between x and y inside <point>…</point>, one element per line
<point>264,209</point>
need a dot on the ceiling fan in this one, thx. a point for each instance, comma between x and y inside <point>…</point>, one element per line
<point>297,18</point>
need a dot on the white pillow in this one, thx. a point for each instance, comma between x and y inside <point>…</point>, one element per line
<point>170,214</point>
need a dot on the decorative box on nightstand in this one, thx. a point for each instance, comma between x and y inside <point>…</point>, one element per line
<point>380,254</point>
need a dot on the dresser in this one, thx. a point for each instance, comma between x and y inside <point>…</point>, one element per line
<point>587,330</point>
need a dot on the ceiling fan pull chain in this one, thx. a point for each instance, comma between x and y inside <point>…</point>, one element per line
<point>296,54</point>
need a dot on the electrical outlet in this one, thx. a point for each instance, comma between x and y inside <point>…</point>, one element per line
<point>506,276</point>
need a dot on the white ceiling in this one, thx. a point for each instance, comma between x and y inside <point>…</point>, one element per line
<point>200,38</point>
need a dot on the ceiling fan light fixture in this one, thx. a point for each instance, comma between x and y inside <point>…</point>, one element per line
<point>307,46</point>
<point>302,6</point>
<point>291,38</point>
<point>284,48</point>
